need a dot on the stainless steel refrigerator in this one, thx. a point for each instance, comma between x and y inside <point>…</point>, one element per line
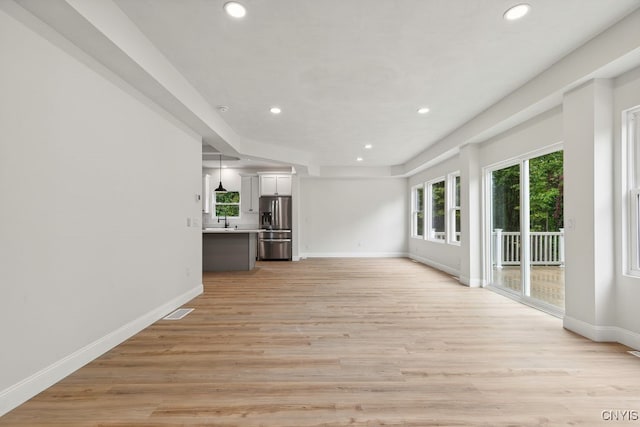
<point>275,219</point>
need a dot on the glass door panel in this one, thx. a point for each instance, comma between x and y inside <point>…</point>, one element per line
<point>505,228</point>
<point>546,232</point>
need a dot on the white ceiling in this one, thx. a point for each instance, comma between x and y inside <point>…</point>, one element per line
<point>345,72</point>
<point>352,72</point>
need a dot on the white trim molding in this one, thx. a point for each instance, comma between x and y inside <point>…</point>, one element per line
<point>602,333</point>
<point>473,282</point>
<point>436,265</point>
<point>24,390</point>
<point>354,255</point>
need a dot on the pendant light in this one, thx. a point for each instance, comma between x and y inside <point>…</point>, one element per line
<point>220,188</point>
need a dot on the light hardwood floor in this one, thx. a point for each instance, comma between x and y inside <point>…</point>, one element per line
<point>345,342</point>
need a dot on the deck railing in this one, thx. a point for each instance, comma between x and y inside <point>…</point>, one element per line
<point>545,248</point>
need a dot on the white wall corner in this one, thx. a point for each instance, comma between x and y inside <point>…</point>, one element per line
<point>602,333</point>
<point>24,390</point>
<point>436,265</point>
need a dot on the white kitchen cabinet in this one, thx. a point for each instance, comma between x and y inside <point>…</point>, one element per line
<point>249,194</point>
<point>275,185</point>
<point>283,185</point>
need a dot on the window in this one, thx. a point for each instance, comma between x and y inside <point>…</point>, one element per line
<point>436,190</point>
<point>435,210</point>
<point>634,200</point>
<point>632,134</point>
<point>228,204</point>
<point>454,208</point>
<point>417,211</point>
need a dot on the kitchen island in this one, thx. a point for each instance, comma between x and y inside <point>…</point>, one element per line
<point>229,249</point>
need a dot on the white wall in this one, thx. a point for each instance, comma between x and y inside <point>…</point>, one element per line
<point>538,133</point>
<point>353,217</point>
<point>96,189</point>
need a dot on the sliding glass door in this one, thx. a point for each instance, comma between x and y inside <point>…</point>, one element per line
<point>526,230</point>
<point>546,232</point>
<point>505,228</point>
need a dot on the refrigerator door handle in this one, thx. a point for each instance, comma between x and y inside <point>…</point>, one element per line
<point>275,240</point>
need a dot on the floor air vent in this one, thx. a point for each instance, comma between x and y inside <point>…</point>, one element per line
<point>635,353</point>
<point>178,314</point>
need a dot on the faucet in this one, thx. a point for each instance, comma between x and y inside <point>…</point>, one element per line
<point>226,221</point>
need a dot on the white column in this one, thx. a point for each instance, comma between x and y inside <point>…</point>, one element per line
<point>589,207</point>
<point>471,248</point>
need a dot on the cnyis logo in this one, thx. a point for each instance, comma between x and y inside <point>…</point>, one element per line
<point>620,415</point>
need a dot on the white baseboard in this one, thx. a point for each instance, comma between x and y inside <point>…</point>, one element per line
<point>473,282</point>
<point>19,393</point>
<point>436,265</point>
<point>602,333</point>
<point>354,255</point>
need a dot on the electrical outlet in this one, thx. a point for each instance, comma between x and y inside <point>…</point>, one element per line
<point>188,222</point>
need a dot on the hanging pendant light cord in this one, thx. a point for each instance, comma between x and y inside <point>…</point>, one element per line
<point>220,188</point>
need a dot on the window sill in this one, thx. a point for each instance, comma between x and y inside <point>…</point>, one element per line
<point>440,241</point>
<point>633,274</point>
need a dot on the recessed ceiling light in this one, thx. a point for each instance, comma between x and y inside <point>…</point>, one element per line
<point>516,12</point>
<point>359,159</point>
<point>275,110</point>
<point>224,166</point>
<point>235,9</point>
<point>368,146</point>
<point>423,110</point>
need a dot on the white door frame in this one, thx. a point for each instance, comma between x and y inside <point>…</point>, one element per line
<point>487,232</point>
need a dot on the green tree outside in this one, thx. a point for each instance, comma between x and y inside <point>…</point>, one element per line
<point>546,193</point>
<point>228,204</point>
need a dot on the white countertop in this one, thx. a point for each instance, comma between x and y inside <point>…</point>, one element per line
<point>230,230</point>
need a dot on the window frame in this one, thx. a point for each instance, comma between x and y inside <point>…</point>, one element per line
<point>429,210</point>
<point>452,207</point>
<point>415,211</point>
<point>631,151</point>
<point>216,204</point>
